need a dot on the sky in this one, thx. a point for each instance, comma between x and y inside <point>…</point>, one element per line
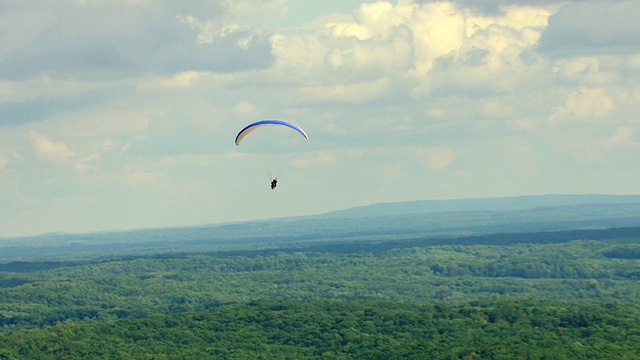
<point>122,114</point>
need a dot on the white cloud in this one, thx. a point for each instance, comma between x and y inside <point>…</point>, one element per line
<point>321,159</point>
<point>93,154</point>
<point>183,79</point>
<point>86,163</point>
<point>526,18</point>
<point>48,150</point>
<point>249,8</point>
<point>403,159</point>
<point>584,104</point>
<point>586,70</point>
<point>410,49</point>
<point>432,30</point>
<point>141,178</point>
<point>436,159</point>
<point>245,108</point>
<point>622,138</point>
<point>345,93</point>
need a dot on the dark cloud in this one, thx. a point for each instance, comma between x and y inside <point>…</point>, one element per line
<point>17,113</point>
<point>593,27</point>
<point>21,112</point>
<point>111,38</point>
<point>494,6</point>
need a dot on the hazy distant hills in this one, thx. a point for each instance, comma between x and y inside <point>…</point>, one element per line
<point>429,218</point>
<point>483,204</point>
<point>473,216</point>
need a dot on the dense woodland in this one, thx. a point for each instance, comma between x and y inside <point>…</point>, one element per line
<point>340,329</point>
<point>554,295</point>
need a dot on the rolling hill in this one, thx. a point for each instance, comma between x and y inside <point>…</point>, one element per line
<point>429,218</point>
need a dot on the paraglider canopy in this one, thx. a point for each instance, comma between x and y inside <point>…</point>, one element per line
<point>253,126</point>
<point>269,161</point>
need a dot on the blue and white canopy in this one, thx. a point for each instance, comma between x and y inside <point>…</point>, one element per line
<point>253,126</point>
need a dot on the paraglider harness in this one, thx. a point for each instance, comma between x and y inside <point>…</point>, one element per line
<point>274,183</point>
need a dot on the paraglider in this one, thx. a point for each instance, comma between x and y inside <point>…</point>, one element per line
<point>258,124</point>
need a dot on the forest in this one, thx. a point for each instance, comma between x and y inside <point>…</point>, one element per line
<point>535,295</point>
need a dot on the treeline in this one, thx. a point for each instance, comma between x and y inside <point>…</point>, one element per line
<point>138,287</point>
<point>332,329</point>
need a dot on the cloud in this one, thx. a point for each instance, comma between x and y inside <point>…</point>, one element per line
<point>48,150</point>
<point>346,93</point>
<point>45,106</point>
<point>245,108</point>
<point>622,138</point>
<point>592,70</point>
<point>96,39</point>
<point>141,178</point>
<point>175,131</point>
<point>436,159</point>
<point>314,160</point>
<point>591,27</point>
<point>378,40</point>
<point>586,103</point>
<point>409,50</point>
<point>493,7</point>
<point>181,80</point>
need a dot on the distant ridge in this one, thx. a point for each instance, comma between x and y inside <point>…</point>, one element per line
<point>478,204</point>
<point>426,218</point>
